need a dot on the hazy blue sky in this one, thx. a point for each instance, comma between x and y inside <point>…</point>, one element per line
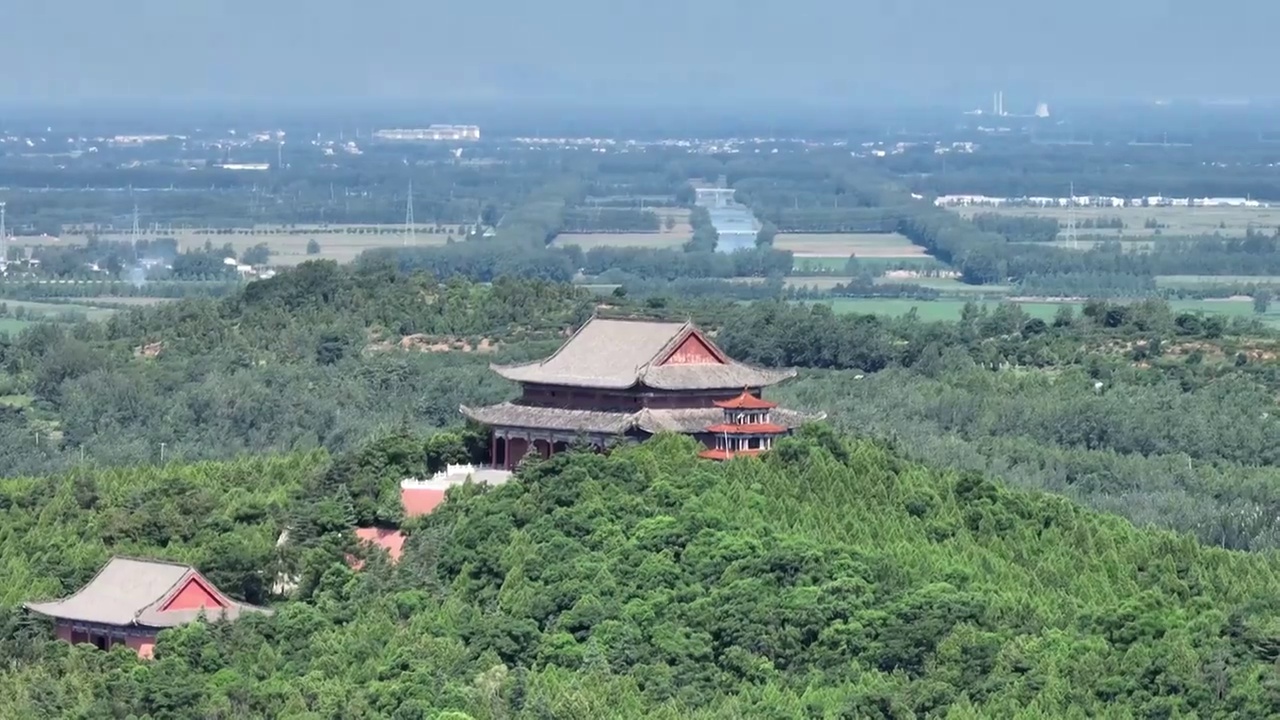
<point>844,51</point>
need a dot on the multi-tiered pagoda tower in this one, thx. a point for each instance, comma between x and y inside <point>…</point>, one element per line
<point>747,428</point>
<point>630,379</point>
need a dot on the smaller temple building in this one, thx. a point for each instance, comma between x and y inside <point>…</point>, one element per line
<point>130,601</point>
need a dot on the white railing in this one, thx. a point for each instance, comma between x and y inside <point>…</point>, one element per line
<point>449,471</point>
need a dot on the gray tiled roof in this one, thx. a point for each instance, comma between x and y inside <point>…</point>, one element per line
<point>131,592</point>
<point>613,353</point>
<point>649,420</point>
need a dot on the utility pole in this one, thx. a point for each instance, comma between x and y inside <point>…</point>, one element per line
<point>4,236</point>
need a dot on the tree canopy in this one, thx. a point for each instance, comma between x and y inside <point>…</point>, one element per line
<point>830,579</point>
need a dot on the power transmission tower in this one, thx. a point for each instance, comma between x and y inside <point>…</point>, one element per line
<point>137,231</point>
<point>1072,240</point>
<point>410,229</point>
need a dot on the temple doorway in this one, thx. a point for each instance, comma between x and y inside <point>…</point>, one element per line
<point>499,458</point>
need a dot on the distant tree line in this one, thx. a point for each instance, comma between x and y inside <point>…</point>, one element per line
<point>610,220</point>
<point>1018,228</point>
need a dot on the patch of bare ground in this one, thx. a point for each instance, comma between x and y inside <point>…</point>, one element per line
<point>149,350</point>
<point>419,342</point>
<point>1253,353</point>
<point>1183,349</point>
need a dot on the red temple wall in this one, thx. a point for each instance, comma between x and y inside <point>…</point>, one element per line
<point>693,351</point>
<point>193,596</point>
<point>623,400</point>
<point>144,645</point>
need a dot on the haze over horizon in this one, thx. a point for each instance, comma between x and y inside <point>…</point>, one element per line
<point>711,52</point>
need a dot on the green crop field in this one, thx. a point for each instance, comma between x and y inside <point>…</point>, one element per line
<point>949,308</point>
<point>946,309</point>
<point>946,286</point>
<point>819,282</point>
<point>52,309</point>
<point>1173,221</point>
<point>1193,281</point>
<point>11,326</point>
<point>114,301</point>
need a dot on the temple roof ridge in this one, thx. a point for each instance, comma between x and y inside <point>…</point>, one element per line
<point>620,353</point>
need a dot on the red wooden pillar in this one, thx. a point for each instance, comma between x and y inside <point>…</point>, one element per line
<point>493,447</point>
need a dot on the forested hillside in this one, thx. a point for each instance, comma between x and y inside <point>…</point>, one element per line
<point>57,531</point>
<point>830,579</point>
<point>321,356</point>
<point>1165,417</point>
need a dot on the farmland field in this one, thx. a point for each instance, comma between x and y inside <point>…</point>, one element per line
<point>51,309</point>
<point>678,235</point>
<point>587,241</point>
<point>1226,221</point>
<point>949,309</point>
<point>342,243</point>
<point>946,286</point>
<point>875,265</point>
<point>842,245</point>
<point>1192,281</point>
<point>949,286</point>
<point>819,282</point>
<point>115,301</point>
<point>681,218</point>
<point>11,326</point>
<point>930,310</point>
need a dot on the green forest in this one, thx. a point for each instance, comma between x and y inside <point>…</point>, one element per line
<point>831,579</point>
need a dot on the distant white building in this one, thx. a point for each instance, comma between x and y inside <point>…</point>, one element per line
<point>1225,202</point>
<point>433,132</point>
<point>1099,201</point>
